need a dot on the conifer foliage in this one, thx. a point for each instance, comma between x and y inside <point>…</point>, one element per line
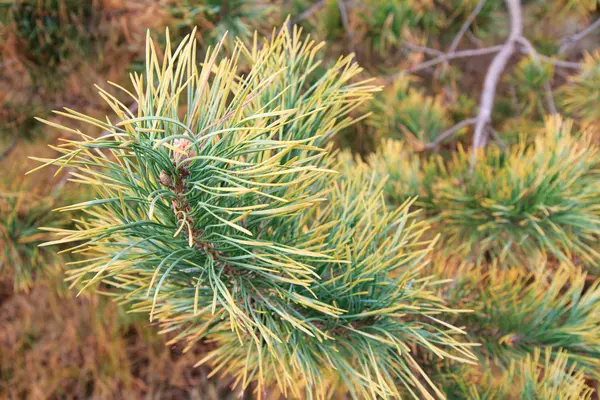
<point>21,217</point>
<point>451,252</point>
<point>219,213</point>
<point>528,201</point>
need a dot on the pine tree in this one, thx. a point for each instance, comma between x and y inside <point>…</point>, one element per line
<point>450,252</point>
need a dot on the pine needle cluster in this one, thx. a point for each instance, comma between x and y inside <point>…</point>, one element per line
<point>236,18</point>
<point>531,200</point>
<point>535,376</point>
<point>218,213</point>
<point>517,316</point>
<point>22,215</point>
<point>405,112</point>
<point>508,303</point>
<point>527,201</point>
<point>394,163</point>
<point>583,93</point>
<point>529,79</point>
<point>49,33</point>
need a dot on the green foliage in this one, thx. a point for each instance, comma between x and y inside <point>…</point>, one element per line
<point>237,18</point>
<point>529,79</point>
<point>22,214</point>
<point>531,377</point>
<point>50,33</point>
<point>392,163</point>
<point>584,7</point>
<point>387,311</point>
<point>518,313</point>
<point>403,112</point>
<point>329,24</point>
<point>521,130</point>
<point>582,94</point>
<point>454,13</point>
<point>387,24</point>
<point>218,214</point>
<point>527,201</point>
<point>221,212</point>
<point>544,379</point>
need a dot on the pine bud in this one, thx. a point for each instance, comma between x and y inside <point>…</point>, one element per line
<point>165,179</point>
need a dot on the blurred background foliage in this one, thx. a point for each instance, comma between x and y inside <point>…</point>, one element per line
<point>518,233</point>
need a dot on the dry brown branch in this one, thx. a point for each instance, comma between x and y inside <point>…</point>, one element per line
<point>310,11</point>
<point>473,39</point>
<point>555,62</point>
<point>345,21</point>
<point>443,57</point>
<point>493,75</point>
<point>10,148</point>
<point>423,49</point>
<point>446,134</point>
<point>568,42</point>
<point>463,29</point>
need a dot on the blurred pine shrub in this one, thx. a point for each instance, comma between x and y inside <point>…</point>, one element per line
<point>530,200</point>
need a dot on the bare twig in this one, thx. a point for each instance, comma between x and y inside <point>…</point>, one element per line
<point>423,49</point>
<point>344,14</point>
<point>443,57</point>
<point>475,40</point>
<point>446,134</point>
<point>536,58</point>
<point>306,14</point>
<point>556,63</point>
<point>10,147</point>
<point>464,28</point>
<point>568,42</point>
<point>493,75</point>
<point>497,138</point>
<point>293,21</point>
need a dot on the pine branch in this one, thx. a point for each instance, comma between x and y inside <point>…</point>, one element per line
<point>582,91</point>
<point>217,212</point>
<point>426,50</point>
<point>553,61</point>
<point>501,209</point>
<point>507,303</point>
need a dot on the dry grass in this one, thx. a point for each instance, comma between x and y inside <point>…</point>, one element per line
<point>60,346</point>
